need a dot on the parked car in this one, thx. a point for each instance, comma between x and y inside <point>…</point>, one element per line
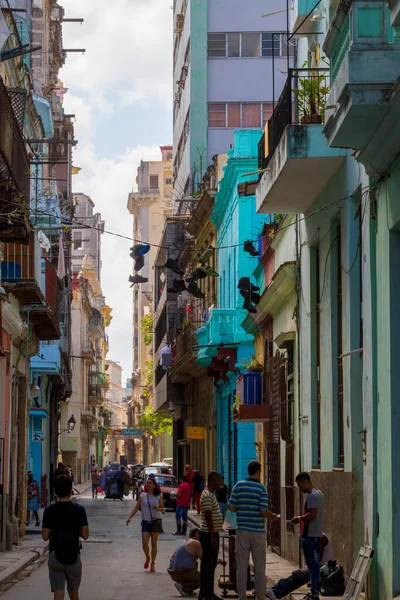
<point>169,488</point>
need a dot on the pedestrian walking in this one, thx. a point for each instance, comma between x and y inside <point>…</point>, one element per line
<point>189,473</point>
<point>222,494</point>
<point>182,506</point>
<point>33,500</point>
<point>211,525</point>
<point>151,504</point>
<point>95,482</point>
<point>198,487</point>
<point>311,530</point>
<point>63,524</point>
<point>183,565</point>
<point>71,474</point>
<point>249,499</point>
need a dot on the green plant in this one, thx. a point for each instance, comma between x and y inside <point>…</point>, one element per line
<point>146,327</point>
<point>148,378</point>
<point>236,403</point>
<point>155,423</point>
<point>254,362</point>
<point>311,94</point>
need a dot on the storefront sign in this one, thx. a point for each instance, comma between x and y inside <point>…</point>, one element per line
<point>196,433</point>
<point>38,436</point>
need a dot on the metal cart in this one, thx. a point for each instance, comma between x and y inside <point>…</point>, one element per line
<point>227,581</point>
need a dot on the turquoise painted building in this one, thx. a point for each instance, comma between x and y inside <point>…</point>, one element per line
<point>222,341</point>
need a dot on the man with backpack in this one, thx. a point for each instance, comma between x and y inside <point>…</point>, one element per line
<point>63,524</point>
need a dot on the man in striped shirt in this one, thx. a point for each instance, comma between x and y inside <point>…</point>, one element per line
<point>249,499</point>
<point>211,525</point>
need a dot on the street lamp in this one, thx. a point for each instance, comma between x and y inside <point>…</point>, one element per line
<point>34,388</point>
<point>71,425</point>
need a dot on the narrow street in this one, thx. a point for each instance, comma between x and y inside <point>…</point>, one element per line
<point>112,558</point>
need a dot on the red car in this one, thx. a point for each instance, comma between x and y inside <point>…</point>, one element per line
<point>169,488</point>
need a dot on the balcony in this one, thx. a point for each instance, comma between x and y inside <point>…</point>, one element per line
<point>95,395</point>
<point>88,417</point>
<point>293,148</point>
<point>184,367</point>
<point>249,407</point>
<point>223,328</point>
<point>14,163</point>
<point>304,22</point>
<point>33,281</point>
<point>88,352</point>
<point>364,68</point>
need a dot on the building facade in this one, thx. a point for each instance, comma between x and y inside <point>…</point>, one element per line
<point>86,241</point>
<point>227,67</point>
<point>150,205</point>
<point>332,167</point>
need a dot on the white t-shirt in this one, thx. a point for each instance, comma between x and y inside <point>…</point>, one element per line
<point>327,554</point>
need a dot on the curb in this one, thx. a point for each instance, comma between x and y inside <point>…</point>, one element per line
<point>21,564</point>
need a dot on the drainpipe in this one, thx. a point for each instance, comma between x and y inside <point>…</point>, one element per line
<point>298,300</point>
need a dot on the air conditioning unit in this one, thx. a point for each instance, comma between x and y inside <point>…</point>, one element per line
<point>180,19</point>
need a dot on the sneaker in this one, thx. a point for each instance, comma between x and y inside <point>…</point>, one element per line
<point>139,263</point>
<point>244,283</point>
<point>172,264</point>
<point>311,596</point>
<point>249,247</point>
<point>209,271</point>
<point>197,274</point>
<point>137,279</point>
<point>269,594</point>
<point>249,307</point>
<point>182,591</point>
<point>205,257</point>
<point>37,524</point>
<point>139,250</point>
<point>194,290</point>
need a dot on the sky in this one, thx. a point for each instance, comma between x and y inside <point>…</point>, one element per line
<point>120,92</point>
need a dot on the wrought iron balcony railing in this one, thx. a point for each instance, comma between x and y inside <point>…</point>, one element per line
<point>302,102</point>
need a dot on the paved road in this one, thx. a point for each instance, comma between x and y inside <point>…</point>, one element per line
<point>112,559</point>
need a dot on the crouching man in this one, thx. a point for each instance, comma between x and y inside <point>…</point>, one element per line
<point>63,524</point>
<point>183,565</point>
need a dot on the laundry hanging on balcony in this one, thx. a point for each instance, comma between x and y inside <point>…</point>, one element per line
<point>61,258</point>
<point>165,357</point>
<point>44,241</point>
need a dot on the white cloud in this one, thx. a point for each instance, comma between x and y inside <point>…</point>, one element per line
<point>127,62</point>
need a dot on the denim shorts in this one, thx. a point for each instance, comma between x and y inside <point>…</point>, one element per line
<point>147,526</point>
<point>182,513</point>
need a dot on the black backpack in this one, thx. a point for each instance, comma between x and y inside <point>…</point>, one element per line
<point>333,583</point>
<point>65,542</point>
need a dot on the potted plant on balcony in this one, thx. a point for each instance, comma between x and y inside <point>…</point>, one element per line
<point>235,407</point>
<point>310,94</point>
<point>253,365</point>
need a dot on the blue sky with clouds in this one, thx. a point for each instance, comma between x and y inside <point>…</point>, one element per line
<point>121,94</point>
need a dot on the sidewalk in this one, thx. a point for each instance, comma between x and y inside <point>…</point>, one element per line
<point>30,548</point>
<point>276,566</point>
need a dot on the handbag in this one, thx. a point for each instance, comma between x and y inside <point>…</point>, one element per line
<point>156,524</point>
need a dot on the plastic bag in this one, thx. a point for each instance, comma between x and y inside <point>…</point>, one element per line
<point>230,519</point>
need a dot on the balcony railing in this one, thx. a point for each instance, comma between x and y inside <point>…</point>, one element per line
<point>14,164</point>
<point>302,102</point>
<point>21,270</point>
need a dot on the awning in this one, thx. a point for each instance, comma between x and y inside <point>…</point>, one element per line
<point>44,111</point>
<point>39,412</point>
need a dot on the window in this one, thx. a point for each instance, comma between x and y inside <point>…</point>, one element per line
<point>270,44</point>
<point>234,45</point>
<point>267,109</point>
<point>236,115</point>
<point>251,115</point>
<point>169,156</point>
<point>250,44</point>
<point>216,45</point>
<point>154,182</point>
<point>168,181</point>
<point>217,115</point>
<point>77,240</point>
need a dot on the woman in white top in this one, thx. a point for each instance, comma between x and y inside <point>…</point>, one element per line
<point>151,504</point>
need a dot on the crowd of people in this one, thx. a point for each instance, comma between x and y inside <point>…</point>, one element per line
<point>64,523</point>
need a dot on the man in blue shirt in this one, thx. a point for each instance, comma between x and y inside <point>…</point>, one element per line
<point>249,499</point>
